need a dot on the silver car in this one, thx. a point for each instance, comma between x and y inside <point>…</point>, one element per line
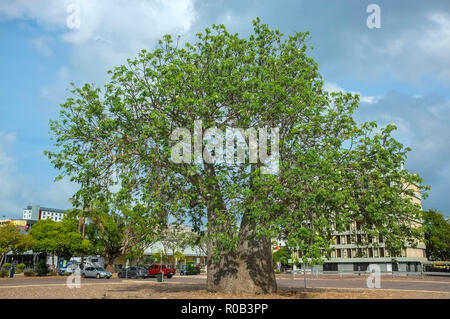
<point>95,272</point>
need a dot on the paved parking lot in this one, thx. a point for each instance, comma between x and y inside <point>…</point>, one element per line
<point>195,287</point>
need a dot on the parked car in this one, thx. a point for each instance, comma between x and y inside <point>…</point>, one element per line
<point>95,272</point>
<point>133,272</point>
<point>70,268</point>
<point>156,269</point>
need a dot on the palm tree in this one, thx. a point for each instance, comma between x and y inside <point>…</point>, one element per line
<point>91,212</point>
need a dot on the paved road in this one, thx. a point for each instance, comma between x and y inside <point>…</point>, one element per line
<point>385,283</point>
<point>414,284</point>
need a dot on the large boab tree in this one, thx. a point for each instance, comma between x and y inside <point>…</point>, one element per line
<point>331,170</point>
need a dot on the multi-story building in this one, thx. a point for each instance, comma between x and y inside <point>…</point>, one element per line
<point>349,255</point>
<point>36,212</point>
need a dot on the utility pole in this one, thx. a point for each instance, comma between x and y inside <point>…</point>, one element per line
<point>304,274</point>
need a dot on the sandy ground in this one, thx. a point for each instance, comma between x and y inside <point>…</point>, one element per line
<point>184,288</point>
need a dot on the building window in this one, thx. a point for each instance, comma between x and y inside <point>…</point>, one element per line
<point>338,253</point>
<point>338,240</point>
<point>370,253</point>
<point>360,266</point>
<point>360,253</point>
<point>349,253</point>
<point>359,238</point>
<point>330,267</point>
<point>382,252</point>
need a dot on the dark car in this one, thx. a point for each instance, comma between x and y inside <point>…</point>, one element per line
<point>133,272</point>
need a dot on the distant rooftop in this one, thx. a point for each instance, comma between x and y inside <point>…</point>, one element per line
<point>47,209</point>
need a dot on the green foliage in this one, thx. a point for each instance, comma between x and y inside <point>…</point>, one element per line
<point>332,170</point>
<point>4,273</point>
<point>148,260</point>
<point>20,267</point>
<point>42,269</point>
<point>179,256</point>
<point>61,238</point>
<point>282,255</point>
<point>437,235</point>
<point>12,240</point>
<point>6,266</point>
<point>124,229</point>
<point>191,268</point>
<point>159,256</point>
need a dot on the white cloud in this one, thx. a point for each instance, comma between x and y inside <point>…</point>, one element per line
<point>110,30</point>
<point>409,54</point>
<point>334,87</point>
<point>18,190</point>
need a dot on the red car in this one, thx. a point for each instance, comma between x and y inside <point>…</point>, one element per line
<point>156,269</point>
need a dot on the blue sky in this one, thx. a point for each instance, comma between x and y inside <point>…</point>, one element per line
<point>401,71</point>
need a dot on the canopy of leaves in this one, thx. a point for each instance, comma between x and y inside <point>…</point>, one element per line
<point>332,170</point>
<point>116,231</point>
<point>11,240</point>
<point>437,235</point>
<point>62,238</point>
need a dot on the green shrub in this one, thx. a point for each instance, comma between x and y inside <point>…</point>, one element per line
<point>20,268</point>
<point>4,273</point>
<point>29,273</point>
<point>52,273</point>
<point>190,268</point>
<point>277,271</point>
<point>6,266</point>
<point>42,269</point>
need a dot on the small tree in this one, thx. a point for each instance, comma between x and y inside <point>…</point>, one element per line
<point>174,238</point>
<point>437,235</point>
<point>179,257</point>
<point>61,239</point>
<point>282,256</point>
<point>11,240</point>
<point>159,256</point>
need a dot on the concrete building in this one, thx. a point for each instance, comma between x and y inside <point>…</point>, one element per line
<point>350,256</point>
<point>36,212</point>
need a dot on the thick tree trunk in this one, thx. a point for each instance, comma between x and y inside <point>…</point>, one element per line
<point>110,263</point>
<point>249,270</point>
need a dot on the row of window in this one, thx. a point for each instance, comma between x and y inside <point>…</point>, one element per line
<point>356,239</point>
<point>362,253</point>
<point>410,267</point>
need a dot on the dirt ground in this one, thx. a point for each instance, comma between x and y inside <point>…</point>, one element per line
<point>192,290</point>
